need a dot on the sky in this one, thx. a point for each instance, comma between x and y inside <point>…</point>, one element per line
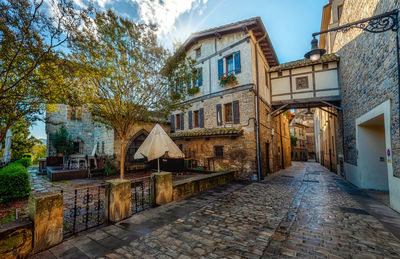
<point>289,23</point>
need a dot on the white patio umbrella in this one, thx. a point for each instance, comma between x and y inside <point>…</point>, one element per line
<point>7,153</point>
<point>158,144</point>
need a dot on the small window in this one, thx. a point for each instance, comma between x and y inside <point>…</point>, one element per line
<point>75,113</point>
<point>279,73</point>
<point>219,151</point>
<point>325,66</point>
<point>228,112</point>
<point>196,119</point>
<point>339,11</point>
<point>102,147</point>
<point>230,67</point>
<point>178,121</point>
<point>198,52</point>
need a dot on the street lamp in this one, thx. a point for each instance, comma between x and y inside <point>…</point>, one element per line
<point>375,24</point>
<point>315,53</point>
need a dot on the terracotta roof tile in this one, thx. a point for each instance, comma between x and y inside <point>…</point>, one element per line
<point>305,62</point>
<point>207,132</point>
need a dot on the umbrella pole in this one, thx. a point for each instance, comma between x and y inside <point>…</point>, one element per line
<point>158,164</point>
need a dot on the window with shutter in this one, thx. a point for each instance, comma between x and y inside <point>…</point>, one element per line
<point>236,113</point>
<point>201,118</point>
<point>230,66</point>
<point>219,114</point>
<point>182,122</point>
<point>228,112</point>
<point>178,121</point>
<point>220,68</point>
<point>196,119</point>
<point>190,122</point>
<point>172,123</point>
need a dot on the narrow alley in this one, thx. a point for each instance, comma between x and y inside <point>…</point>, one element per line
<point>303,211</point>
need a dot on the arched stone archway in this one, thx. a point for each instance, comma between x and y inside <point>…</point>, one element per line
<point>134,145</point>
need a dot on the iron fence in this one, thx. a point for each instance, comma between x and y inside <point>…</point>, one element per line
<point>84,208</point>
<point>141,194</point>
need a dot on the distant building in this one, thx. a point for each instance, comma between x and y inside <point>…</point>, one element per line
<point>221,124</point>
<point>299,150</point>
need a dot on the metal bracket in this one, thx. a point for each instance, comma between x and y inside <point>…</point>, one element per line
<point>280,108</point>
<point>332,105</point>
<point>331,113</point>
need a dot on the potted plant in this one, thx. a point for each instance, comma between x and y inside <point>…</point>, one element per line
<point>229,80</point>
<point>193,90</point>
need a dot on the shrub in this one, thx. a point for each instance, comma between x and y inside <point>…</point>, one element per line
<point>14,182</point>
<point>27,162</point>
<point>108,165</point>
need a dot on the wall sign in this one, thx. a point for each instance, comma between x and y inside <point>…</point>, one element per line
<point>389,159</point>
<point>301,82</point>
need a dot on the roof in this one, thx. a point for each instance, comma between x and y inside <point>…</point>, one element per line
<point>255,24</point>
<point>213,132</point>
<point>306,62</point>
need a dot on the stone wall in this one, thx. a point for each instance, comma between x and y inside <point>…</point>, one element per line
<point>367,74</point>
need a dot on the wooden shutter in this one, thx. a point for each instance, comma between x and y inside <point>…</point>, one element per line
<point>190,121</point>
<point>182,122</point>
<point>236,113</point>
<point>219,114</point>
<point>172,123</point>
<point>201,77</point>
<point>201,117</point>
<point>237,62</point>
<point>220,68</point>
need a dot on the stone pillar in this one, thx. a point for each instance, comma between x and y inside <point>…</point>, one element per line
<point>46,212</point>
<point>119,200</point>
<point>163,187</point>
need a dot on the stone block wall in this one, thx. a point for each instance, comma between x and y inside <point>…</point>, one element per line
<point>86,131</point>
<point>367,74</point>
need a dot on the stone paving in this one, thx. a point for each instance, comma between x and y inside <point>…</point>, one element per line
<point>303,211</point>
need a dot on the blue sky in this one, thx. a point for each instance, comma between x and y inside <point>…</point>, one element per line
<point>289,23</point>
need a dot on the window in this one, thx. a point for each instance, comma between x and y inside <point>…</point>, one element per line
<point>266,77</point>
<point>75,113</point>
<point>279,73</point>
<point>232,65</point>
<point>178,121</point>
<point>325,66</point>
<point>228,112</point>
<point>339,12</point>
<point>230,68</point>
<point>102,147</point>
<point>199,81</point>
<point>218,151</point>
<point>196,119</point>
<point>77,147</point>
<point>198,52</point>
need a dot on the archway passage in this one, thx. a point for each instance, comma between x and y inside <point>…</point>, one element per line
<point>133,148</point>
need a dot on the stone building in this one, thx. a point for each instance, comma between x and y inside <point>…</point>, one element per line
<point>299,150</point>
<point>221,124</point>
<point>88,135</point>
<point>369,139</point>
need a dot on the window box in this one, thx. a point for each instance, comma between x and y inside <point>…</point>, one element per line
<point>229,80</point>
<point>193,90</point>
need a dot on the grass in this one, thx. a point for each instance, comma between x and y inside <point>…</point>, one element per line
<point>9,218</point>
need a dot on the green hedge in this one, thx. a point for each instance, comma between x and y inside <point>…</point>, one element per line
<point>14,182</point>
<point>27,162</point>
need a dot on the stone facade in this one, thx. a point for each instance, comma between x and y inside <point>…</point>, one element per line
<point>81,128</point>
<point>369,88</point>
<point>238,107</point>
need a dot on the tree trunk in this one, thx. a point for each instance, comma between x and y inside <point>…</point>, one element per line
<point>122,163</point>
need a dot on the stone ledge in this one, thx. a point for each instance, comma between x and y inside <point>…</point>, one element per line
<point>189,186</point>
<point>16,239</point>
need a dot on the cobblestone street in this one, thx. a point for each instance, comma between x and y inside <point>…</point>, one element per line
<point>304,211</point>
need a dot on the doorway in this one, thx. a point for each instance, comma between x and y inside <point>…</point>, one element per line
<point>372,161</point>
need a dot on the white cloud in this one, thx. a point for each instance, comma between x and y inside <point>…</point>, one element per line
<point>163,13</point>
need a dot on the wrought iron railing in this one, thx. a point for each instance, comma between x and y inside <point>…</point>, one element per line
<point>141,194</point>
<point>84,208</point>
